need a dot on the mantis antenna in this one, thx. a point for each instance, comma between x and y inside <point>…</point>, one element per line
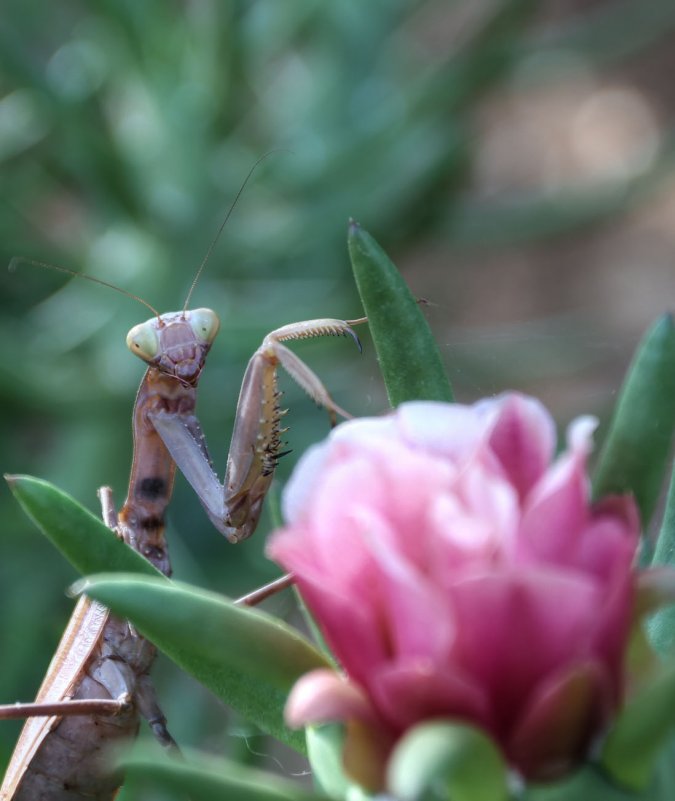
<point>14,263</point>
<point>16,260</point>
<point>222,225</point>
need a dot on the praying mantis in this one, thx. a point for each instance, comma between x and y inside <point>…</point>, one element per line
<point>97,685</point>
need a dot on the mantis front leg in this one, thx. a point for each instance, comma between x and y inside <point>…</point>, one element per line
<point>234,507</point>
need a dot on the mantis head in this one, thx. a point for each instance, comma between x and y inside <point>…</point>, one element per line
<point>177,342</point>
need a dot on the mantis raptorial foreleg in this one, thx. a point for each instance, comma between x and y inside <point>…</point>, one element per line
<point>234,507</point>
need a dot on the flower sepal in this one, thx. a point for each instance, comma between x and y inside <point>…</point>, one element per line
<point>329,747</point>
<point>445,759</point>
<point>325,744</point>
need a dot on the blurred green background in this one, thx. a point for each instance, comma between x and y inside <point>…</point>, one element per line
<point>515,158</point>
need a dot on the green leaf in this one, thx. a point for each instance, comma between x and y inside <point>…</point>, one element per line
<point>587,784</point>
<point>324,749</point>
<point>247,658</point>
<point>661,627</point>
<point>208,779</point>
<point>86,542</point>
<point>635,452</point>
<point>640,733</point>
<point>409,359</point>
<point>442,760</point>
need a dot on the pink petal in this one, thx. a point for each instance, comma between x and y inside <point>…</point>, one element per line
<point>323,696</point>
<point>558,505</point>
<point>556,511</point>
<point>513,628</point>
<point>408,600</point>
<point>612,629</point>
<point>523,439</point>
<point>354,434</point>
<point>337,535</point>
<point>563,714</point>
<point>342,608</point>
<point>580,435</point>
<point>622,510</point>
<point>608,545</point>
<point>348,438</point>
<point>300,488</point>
<point>490,499</point>
<point>353,629</point>
<point>450,430</point>
<point>408,482</point>
<point>411,691</point>
<point>471,529</point>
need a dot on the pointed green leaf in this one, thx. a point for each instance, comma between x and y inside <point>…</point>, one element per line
<point>247,658</point>
<point>207,779</point>
<point>635,452</point>
<point>641,731</point>
<point>664,550</point>
<point>86,542</point>
<point>409,359</point>
<point>662,626</point>
<point>442,760</point>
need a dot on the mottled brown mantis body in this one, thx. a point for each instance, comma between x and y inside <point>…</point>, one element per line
<point>102,663</point>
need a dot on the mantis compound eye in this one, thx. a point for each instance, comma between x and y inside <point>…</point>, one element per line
<point>205,324</point>
<point>143,341</point>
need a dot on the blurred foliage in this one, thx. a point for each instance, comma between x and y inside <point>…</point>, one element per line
<point>126,129</point>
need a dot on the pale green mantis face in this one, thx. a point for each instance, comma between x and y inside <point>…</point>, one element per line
<point>176,342</point>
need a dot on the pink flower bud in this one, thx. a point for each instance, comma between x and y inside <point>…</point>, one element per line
<point>458,570</point>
